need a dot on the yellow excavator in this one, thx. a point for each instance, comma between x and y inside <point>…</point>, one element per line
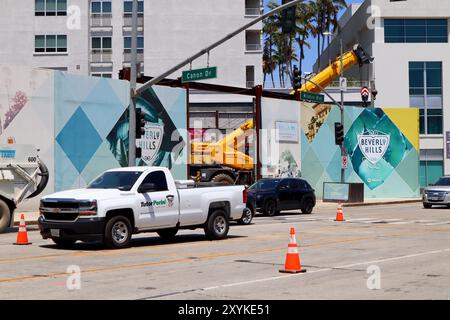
<point>224,162</point>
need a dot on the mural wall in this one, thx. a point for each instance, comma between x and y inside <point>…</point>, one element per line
<point>280,154</point>
<point>382,147</point>
<point>80,124</point>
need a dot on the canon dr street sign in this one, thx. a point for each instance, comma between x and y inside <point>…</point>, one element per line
<point>199,74</point>
<point>312,97</point>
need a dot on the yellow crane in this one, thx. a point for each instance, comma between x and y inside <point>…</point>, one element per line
<point>210,159</point>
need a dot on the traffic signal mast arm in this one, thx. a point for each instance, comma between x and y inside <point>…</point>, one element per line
<point>330,73</point>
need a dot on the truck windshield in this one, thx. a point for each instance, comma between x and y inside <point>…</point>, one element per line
<point>122,180</point>
<point>265,184</point>
<point>443,182</point>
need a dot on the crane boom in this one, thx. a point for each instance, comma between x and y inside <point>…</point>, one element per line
<point>326,76</point>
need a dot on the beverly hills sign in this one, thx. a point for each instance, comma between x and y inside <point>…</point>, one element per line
<point>373,145</point>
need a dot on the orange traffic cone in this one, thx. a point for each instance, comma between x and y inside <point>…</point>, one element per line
<point>22,236</point>
<point>339,213</point>
<point>292,264</point>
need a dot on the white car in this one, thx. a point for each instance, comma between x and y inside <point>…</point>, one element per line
<point>437,194</point>
<point>125,201</point>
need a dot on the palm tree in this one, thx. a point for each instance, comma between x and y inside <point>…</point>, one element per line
<point>325,19</point>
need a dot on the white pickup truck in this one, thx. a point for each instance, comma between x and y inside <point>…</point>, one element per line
<point>125,201</point>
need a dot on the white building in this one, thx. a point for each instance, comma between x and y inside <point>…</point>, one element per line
<point>409,40</point>
<point>93,37</point>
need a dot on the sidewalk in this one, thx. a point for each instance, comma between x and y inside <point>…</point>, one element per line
<point>32,216</point>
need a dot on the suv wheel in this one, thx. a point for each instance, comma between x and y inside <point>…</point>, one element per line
<point>308,206</point>
<point>217,226</point>
<point>270,208</point>
<point>118,232</point>
<point>427,205</point>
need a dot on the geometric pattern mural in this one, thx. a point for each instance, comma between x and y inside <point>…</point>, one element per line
<point>382,147</point>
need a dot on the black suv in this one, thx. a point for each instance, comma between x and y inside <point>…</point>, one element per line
<point>271,195</point>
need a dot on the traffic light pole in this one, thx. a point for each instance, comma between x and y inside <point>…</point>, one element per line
<point>133,76</point>
<point>342,111</point>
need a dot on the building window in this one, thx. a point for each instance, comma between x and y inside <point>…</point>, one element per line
<point>101,43</point>
<point>101,7</point>
<point>50,43</point>
<point>128,7</point>
<point>415,30</point>
<point>431,166</point>
<point>50,7</point>
<point>127,44</point>
<point>425,93</point>
<point>102,75</point>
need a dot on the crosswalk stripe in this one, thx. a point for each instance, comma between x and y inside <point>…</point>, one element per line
<point>437,223</point>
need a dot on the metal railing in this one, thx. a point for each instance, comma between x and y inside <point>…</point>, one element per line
<point>127,57</point>
<point>253,47</point>
<point>253,11</point>
<point>101,56</point>
<point>101,20</point>
<point>351,84</point>
<point>128,21</point>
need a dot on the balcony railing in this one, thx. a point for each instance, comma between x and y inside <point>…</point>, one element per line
<point>253,11</point>
<point>127,56</point>
<point>253,47</point>
<point>101,20</point>
<point>101,56</point>
<point>128,21</point>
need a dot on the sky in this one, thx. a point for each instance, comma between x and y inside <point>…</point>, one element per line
<point>311,54</point>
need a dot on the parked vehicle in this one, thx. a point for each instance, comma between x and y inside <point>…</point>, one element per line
<point>126,201</point>
<point>437,194</point>
<point>271,195</point>
<point>23,176</point>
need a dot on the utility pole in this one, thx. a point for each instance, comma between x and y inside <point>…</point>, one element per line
<point>342,110</point>
<point>133,76</point>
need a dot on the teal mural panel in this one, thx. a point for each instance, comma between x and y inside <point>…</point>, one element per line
<point>379,150</point>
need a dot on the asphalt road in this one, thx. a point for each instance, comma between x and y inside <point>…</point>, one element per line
<point>407,246</point>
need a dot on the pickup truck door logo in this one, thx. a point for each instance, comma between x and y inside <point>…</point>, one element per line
<point>154,204</point>
<point>151,142</point>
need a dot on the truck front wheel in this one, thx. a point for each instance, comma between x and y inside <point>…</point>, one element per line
<point>5,216</point>
<point>217,226</point>
<point>118,232</point>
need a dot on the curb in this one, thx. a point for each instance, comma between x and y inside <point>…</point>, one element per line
<point>362,204</point>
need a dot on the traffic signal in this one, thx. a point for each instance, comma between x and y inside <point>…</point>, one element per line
<point>140,123</point>
<point>365,95</point>
<point>125,74</point>
<point>140,129</point>
<point>296,79</point>
<point>288,18</point>
<point>338,133</point>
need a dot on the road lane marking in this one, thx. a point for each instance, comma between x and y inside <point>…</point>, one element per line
<point>327,269</point>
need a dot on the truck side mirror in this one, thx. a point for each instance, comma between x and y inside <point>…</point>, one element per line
<point>147,187</point>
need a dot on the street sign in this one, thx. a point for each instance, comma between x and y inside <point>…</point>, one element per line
<point>447,142</point>
<point>365,93</point>
<point>312,97</point>
<point>343,84</point>
<point>344,162</point>
<point>199,74</point>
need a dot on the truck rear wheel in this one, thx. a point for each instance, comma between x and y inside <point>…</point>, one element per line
<point>223,178</point>
<point>118,232</point>
<point>5,216</point>
<point>217,226</point>
<point>167,234</point>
